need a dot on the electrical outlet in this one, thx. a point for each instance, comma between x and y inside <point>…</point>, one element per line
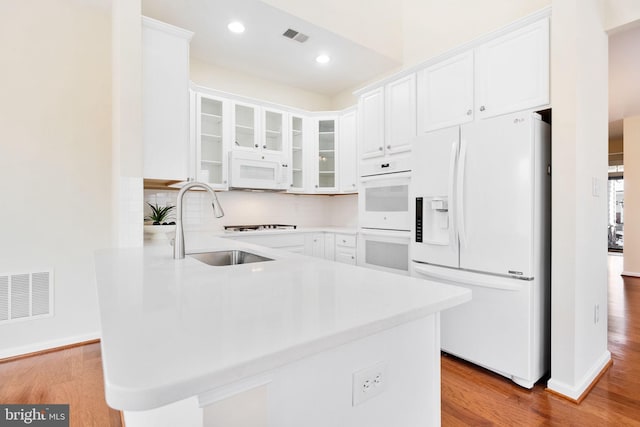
<point>596,313</point>
<point>369,382</point>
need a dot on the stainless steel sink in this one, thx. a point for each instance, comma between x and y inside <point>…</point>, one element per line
<point>232,257</point>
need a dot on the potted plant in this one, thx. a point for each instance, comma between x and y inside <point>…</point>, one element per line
<point>160,214</point>
<point>160,224</point>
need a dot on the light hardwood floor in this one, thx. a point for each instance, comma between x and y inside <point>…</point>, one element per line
<point>470,396</point>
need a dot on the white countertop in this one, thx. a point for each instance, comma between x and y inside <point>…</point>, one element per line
<point>172,329</point>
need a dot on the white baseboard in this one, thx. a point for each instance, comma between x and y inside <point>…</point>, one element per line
<point>575,391</point>
<point>47,345</point>
<point>630,273</point>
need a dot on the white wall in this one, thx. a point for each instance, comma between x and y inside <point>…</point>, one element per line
<point>127,150</point>
<point>631,139</point>
<point>579,212</point>
<point>247,207</point>
<point>218,78</point>
<point>55,159</point>
<point>433,27</point>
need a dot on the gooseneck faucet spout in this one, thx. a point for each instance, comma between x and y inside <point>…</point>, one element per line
<point>178,245</point>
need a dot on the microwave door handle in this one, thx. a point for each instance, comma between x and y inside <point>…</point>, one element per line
<point>452,180</point>
<point>460,194</point>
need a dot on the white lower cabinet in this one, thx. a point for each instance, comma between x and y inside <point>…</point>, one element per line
<point>345,248</point>
<point>314,245</point>
<point>338,247</point>
<point>329,246</point>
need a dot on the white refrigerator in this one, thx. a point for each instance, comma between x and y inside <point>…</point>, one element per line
<point>481,215</point>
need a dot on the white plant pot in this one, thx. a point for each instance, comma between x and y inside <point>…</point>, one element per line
<point>159,232</point>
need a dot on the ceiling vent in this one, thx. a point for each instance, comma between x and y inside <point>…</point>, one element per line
<point>295,35</point>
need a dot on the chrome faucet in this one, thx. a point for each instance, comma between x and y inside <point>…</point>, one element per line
<point>178,244</point>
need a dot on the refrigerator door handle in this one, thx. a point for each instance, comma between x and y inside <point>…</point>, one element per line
<point>453,244</point>
<point>470,279</point>
<point>460,194</point>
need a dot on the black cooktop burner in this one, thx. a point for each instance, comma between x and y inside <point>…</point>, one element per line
<point>256,227</point>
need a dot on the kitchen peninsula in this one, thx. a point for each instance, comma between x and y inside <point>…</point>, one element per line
<point>286,342</point>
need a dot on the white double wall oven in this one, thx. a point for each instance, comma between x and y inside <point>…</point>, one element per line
<point>385,220</point>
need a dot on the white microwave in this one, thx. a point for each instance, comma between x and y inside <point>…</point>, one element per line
<point>261,171</point>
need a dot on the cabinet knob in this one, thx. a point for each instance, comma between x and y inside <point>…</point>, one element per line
<point>469,112</point>
<point>380,148</point>
<point>316,185</point>
<point>482,108</point>
<point>255,145</point>
<point>388,147</point>
<point>264,146</point>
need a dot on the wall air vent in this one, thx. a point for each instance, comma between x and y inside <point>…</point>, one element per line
<point>295,35</point>
<point>26,296</point>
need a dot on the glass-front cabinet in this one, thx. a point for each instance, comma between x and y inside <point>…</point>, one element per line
<point>245,121</point>
<point>326,180</point>
<point>297,135</point>
<point>211,140</point>
<point>274,128</point>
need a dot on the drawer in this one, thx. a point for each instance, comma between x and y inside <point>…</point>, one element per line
<point>345,255</point>
<point>347,240</point>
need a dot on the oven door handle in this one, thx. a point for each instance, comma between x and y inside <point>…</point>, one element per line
<point>386,233</point>
<point>386,176</point>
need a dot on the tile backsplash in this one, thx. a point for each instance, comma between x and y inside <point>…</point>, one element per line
<point>247,207</point>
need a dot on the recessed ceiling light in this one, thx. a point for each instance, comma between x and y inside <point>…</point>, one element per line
<point>236,27</point>
<point>323,59</point>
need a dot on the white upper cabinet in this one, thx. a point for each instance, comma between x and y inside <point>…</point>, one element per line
<point>165,101</point>
<point>512,71</point>
<point>506,74</point>
<point>371,109</point>
<point>445,93</point>
<point>299,151</point>
<point>211,140</point>
<point>348,152</point>
<point>327,161</point>
<point>388,118</point>
<point>258,128</point>
<point>245,126</point>
<point>274,129</point>
<point>400,114</point>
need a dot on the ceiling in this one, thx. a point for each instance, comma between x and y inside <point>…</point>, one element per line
<point>624,78</point>
<point>262,50</point>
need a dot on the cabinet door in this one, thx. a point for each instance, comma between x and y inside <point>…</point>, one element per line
<point>348,153</point>
<point>211,140</point>
<point>329,246</point>
<point>513,71</point>
<point>245,125</point>
<point>314,245</point>
<point>297,137</point>
<point>445,93</point>
<point>327,144</point>
<point>400,114</point>
<point>274,134</point>
<point>165,101</point>
<point>371,115</point>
